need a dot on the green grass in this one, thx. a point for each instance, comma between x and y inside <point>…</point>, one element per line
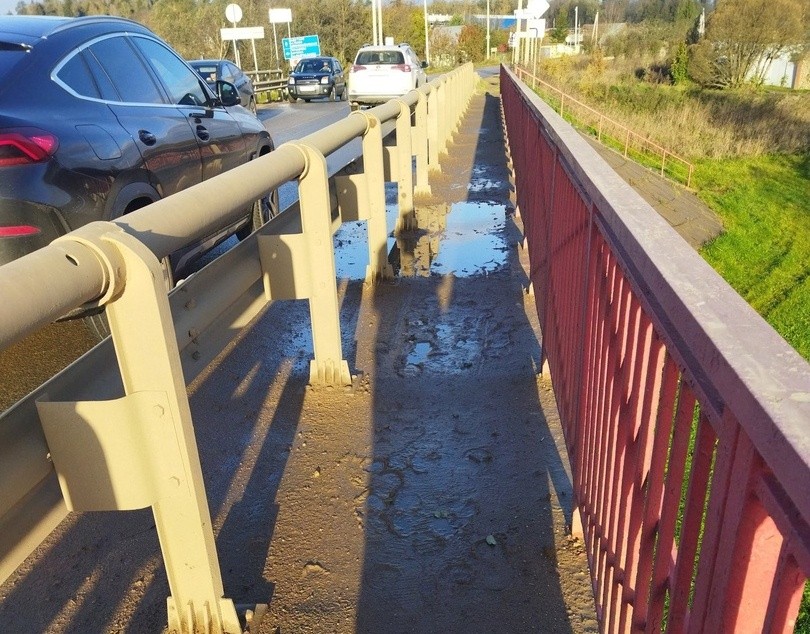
<point>764,253</point>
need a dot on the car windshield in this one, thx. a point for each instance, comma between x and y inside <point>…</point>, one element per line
<point>365,58</point>
<point>312,66</point>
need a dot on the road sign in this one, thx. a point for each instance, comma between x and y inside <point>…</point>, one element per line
<point>242,33</point>
<point>534,9</point>
<point>234,13</point>
<point>297,47</point>
<point>280,16</point>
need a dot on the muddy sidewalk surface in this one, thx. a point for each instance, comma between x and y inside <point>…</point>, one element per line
<point>432,496</point>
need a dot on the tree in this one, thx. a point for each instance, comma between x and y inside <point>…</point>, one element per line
<point>560,30</point>
<point>679,66</point>
<point>471,43</point>
<point>743,37</point>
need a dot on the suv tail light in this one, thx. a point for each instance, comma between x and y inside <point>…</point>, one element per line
<point>18,231</point>
<point>357,67</point>
<point>405,68</point>
<point>21,146</point>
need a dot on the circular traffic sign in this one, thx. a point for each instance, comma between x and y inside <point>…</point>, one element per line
<point>233,12</point>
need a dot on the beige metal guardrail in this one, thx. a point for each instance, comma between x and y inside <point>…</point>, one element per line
<point>93,438</point>
<point>269,81</point>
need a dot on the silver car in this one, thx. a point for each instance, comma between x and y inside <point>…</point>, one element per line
<point>381,73</point>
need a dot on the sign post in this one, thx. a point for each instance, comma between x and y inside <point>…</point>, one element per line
<point>279,16</point>
<point>233,13</point>
<point>251,33</point>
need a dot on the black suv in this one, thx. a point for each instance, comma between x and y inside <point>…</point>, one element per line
<point>317,77</point>
<point>99,117</point>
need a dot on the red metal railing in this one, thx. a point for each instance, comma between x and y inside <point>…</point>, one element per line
<point>687,418</point>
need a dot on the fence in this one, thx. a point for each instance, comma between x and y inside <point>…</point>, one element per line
<point>269,81</point>
<point>685,414</point>
<point>612,133</point>
<point>93,438</point>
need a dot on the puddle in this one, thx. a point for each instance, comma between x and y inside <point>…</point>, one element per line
<point>419,354</point>
<point>464,239</point>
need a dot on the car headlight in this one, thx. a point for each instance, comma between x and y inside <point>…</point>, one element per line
<point>325,80</point>
<point>291,80</point>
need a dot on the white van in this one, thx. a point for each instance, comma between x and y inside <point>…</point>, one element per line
<point>381,73</point>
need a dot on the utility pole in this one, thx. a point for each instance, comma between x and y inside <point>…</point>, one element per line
<point>488,44</point>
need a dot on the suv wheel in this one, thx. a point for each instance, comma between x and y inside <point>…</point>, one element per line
<point>263,210</point>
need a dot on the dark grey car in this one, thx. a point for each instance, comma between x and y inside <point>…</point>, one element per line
<point>213,70</point>
<point>99,117</point>
<point>315,77</point>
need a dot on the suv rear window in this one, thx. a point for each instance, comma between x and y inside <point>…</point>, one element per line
<point>366,58</point>
<point>10,55</point>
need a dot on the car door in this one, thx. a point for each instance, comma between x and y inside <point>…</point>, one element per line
<point>165,139</point>
<point>221,141</point>
<point>340,79</point>
<point>239,79</point>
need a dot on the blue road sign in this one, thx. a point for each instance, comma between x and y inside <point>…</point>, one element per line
<point>305,46</point>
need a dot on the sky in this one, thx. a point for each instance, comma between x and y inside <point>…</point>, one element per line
<point>7,5</point>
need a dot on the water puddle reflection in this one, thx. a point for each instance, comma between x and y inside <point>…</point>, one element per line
<point>463,239</point>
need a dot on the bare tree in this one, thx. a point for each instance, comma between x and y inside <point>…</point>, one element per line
<point>744,36</point>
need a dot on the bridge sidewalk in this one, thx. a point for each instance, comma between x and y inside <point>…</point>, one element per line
<point>434,494</point>
<point>431,496</point>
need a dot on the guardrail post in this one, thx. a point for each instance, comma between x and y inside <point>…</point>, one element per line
<point>310,256</point>
<point>374,212</point>
<point>420,145</point>
<point>140,450</point>
<point>443,115</point>
<point>433,128</point>
<point>404,158</point>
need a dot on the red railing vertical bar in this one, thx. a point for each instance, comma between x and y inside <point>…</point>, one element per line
<point>786,594</point>
<point>693,518</point>
<point>751,576</point>
<point>583,339</point>
<point>632,397</point>
<point>661,434</point>
<point>583,423</point>
<point>667,549</point>
<point>644,437</point>
<point>728,519</point>
<point>601,419</point>
<point>624,333</point>
<point>595,379</point>
<point>721,493</point>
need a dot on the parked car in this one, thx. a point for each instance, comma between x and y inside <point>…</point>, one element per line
<point>380,73</point>
<point>315,77</point>
<point>214,70</point>
<point>99,117</point>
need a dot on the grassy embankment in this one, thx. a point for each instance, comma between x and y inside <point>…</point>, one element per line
<point>752,156</point>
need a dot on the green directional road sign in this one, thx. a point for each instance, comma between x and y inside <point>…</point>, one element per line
<point>297,47</point>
